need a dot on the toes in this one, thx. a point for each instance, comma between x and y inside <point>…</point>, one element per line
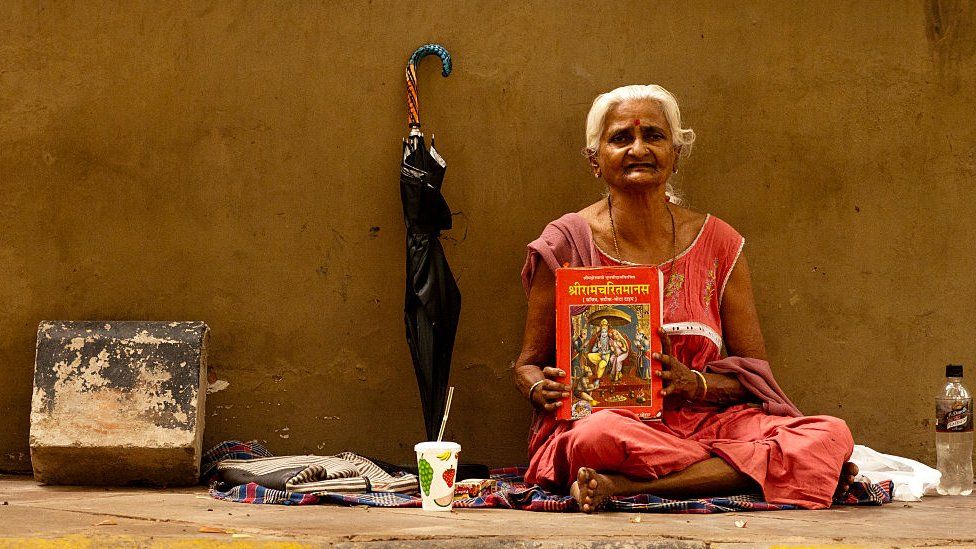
<point>583,476</point>
<point>586,490</point>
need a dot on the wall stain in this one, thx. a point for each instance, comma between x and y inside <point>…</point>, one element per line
<point>158,359</point>
<point>951,31</point>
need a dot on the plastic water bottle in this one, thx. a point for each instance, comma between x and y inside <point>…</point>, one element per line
<point>954,435</point>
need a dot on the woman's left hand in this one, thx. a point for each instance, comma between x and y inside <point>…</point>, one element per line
<point>678,378</point>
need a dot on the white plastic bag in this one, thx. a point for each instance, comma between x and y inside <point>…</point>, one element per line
<point>911,479</point>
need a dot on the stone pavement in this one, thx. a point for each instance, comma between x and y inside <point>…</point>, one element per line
<point>43,516</point>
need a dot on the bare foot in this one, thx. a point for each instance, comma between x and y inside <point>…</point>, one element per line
<point>590,489</point>
<point>847,474</point>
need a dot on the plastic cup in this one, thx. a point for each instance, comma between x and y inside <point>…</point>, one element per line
<point>437,463</point>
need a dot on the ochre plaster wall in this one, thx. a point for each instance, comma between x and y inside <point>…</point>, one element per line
<point>236,162</point>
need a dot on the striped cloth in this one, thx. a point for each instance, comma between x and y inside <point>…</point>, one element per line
<point>345,473</point>
<point>509,492</point>
<point>230,449</point>
<point>254,493</point>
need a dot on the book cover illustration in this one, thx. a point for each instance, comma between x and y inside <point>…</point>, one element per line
<point>607,322</point>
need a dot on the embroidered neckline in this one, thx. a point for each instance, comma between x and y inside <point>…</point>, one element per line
<point>690,247</point>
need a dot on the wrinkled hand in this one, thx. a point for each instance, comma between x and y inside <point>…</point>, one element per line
<point>547,396</point>
<point>678,379</point>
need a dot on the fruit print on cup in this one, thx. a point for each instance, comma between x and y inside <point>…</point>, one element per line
<point>426,474</point>
<point>437,468</point>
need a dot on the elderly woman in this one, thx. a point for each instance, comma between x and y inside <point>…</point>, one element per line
<point>722,432</point>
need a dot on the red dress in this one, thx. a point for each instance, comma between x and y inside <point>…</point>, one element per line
<point>795,460</point>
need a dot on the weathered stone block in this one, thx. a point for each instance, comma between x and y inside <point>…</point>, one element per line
<point>118,402</point>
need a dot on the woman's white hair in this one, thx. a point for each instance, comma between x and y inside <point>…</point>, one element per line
<point>682,138</point>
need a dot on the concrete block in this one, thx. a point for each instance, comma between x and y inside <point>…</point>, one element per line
<point>119,403</point>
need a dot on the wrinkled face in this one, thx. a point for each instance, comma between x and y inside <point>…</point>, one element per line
<point>636,147</point>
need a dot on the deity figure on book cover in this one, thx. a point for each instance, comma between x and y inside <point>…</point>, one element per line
<point>641,347</point>
<point>621,351</point>
<point>608,347</point>
<point>579,361</point>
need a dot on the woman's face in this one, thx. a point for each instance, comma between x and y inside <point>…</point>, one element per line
<point>636,147</point>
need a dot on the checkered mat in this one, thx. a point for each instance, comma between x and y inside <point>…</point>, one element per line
<point>508,492</point>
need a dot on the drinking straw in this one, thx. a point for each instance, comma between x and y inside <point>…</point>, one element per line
<point>447,410</point>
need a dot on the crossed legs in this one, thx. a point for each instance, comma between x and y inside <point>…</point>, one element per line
<point>799,461</point>
<point>711,477</point>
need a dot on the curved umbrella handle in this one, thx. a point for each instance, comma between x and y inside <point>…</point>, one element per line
<point>413,116</point>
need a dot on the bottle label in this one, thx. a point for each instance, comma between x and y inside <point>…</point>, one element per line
<point>954,416</point>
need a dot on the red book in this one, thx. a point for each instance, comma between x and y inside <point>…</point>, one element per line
<point>607,322</point>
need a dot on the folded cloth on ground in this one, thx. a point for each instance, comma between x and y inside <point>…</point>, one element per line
<point>509,491</point>
<point>229,449</point>
<point>911,479</point>
<point>345,473</point>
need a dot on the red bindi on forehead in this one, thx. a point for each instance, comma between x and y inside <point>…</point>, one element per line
<point>637,121</point>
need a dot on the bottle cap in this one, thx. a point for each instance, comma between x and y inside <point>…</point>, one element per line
<point>954,370</point>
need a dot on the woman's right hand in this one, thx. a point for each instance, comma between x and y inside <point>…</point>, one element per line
<point>548,395</point>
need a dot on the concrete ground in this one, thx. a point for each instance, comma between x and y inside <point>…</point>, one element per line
<point>46,516</point>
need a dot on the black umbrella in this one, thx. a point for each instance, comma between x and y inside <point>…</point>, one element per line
<point>433,301</point>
